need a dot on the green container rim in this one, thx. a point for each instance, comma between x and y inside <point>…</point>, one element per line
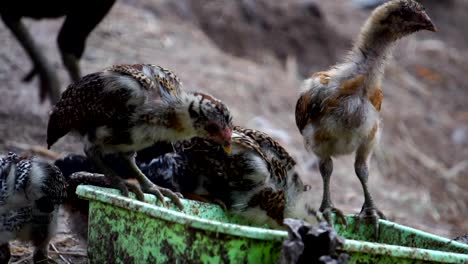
<point>111,196</point>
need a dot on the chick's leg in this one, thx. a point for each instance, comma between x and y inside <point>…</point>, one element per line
<point>149,187</point>
<point>49,83</point>
<point>105,166</point>
<point>42,232</point>
<point>75,30</point>
<point>327,208</point>
<point>361,166</point>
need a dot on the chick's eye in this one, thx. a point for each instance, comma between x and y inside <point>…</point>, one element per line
<point>212,128</point>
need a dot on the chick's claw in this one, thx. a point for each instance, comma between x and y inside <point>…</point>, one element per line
<point>161,192</point>
<point>140,196</point>
<point>340,217</point>
<point>371,215</point>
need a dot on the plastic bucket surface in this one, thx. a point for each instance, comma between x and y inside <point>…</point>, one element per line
<point>125,230</point>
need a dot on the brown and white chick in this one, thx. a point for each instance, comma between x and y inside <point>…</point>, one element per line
<point>338,110</point>
<point>31,192</point>
<point>126,108</point>
<point>277,191</point>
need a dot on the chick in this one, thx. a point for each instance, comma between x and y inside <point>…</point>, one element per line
<point>257,182</point>
<point>338,110</point>
<point>126,108</point>
<point>30,194</point>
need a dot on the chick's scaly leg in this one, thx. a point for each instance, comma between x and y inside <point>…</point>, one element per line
<point>327,208</point>
<point>75,30</point>
<point>369,210</point>
<point>115,180</point>
<point>72,64</point>
<point>41,234</point>
<point>149,187</point>
<point>49,83</point>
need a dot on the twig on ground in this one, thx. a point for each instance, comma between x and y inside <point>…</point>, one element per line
<point>36,149</point>
<point>22,260</point>
<point>70,253</point>
<point>59,253</point>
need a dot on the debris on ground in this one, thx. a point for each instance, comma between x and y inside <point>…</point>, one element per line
<point>462,239</point>
<point>312,244</point>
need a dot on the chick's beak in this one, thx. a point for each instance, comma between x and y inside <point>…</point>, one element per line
<point>431,27</point>
<point>428,25</point>
<point>228,148</point>
<point>227,145</point>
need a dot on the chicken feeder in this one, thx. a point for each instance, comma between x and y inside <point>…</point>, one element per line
<point>124,230</point>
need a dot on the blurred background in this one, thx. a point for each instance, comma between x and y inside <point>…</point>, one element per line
<point>253,54</point>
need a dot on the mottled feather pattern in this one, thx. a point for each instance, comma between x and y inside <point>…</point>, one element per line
<point>275,157</point>
<point>23,168</point>
<point>14,220</point>
<point>99,99</point>
<point>272,202</point>
<point>269,145</point>
<point>85,104</point>
<point>5,165</point>
<point>210,101</point>
<point>162,169</point>
<point>278,159</point>
<point>238,180</point>
<point>249,144</point>
<point>53,184</point>
<point>135,71</point>
<point>31,191</point>
<point>160,77</point>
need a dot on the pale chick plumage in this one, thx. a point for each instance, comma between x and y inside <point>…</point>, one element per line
<point>126,108</point>
<point>338,110</point>
<point>30,194</point>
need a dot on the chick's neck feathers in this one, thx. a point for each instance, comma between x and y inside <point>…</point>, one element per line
<point>374,43</point>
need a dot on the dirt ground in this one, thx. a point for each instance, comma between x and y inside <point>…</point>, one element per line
<point>253,55</point>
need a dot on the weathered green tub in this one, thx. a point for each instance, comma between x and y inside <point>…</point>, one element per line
<point>123,230</point>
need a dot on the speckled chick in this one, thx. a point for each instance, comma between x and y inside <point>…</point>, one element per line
<point>338,110</point>
<point>257,182</point>
<point>126,108</point>
<point>30,194</point>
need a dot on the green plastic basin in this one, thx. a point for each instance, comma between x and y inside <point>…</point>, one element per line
<point>124,230</point>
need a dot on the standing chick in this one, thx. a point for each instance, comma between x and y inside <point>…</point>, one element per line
<point>127,108</point>
<point>81,17</point>
<point>338,110</point>
<point>30,194</point>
